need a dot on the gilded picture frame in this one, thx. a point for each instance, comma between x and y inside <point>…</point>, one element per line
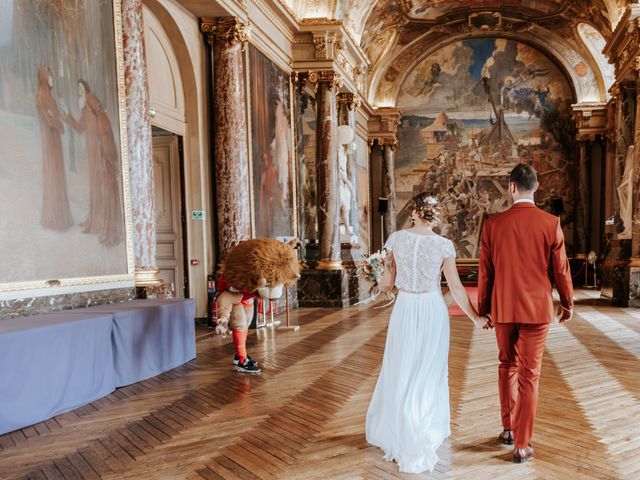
<point>125,278</point>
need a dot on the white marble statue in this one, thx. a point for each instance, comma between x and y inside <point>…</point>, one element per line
<point>625,193</point>
<point>346,190</point>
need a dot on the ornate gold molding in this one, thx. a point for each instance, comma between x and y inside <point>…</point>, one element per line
<point>319,22</point>
<point>587,137</point>
<point>229,30</point>
<point>350,100</point>
<point>384,141</point>
<point>325,76</point>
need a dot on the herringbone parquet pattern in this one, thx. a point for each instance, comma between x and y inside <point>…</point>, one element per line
<point>303,418</point>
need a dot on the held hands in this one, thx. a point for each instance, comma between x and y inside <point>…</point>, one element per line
<point>483,322</point>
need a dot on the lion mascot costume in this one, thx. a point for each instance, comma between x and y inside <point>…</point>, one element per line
<point>258,268</point>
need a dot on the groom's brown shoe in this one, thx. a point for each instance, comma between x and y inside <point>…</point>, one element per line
<point>522,455</point>
<point>506,437</point>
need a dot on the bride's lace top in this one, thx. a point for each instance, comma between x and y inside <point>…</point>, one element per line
<point>419,260</point>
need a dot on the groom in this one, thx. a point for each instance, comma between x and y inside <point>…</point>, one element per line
<point>519,248</point>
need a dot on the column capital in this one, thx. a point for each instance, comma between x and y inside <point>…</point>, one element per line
<point>587,137</point>
<point>350,100</point>
<point>331,77</point>
<point>229,30</point>
<point>390,141</point>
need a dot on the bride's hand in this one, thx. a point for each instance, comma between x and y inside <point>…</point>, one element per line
<point>483,322</point>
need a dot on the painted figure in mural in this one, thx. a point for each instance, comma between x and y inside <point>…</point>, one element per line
<point>280,146</point>
<point>267,193</point>
<point>347,193</point>
<point>308,196</point>
<point>105,217</point>
<point>625,194</point>
<point>56,212</point>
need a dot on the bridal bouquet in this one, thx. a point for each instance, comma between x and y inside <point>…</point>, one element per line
<point>371,269</point>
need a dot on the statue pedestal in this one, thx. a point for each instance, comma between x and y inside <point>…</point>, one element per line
<point>348,238</point>
<point>327,288</point>
<point>618,274</point>
<point>320,287</point>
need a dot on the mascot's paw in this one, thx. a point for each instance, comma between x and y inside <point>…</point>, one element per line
<point>222,328</point>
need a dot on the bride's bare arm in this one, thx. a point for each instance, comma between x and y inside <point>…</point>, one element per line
<point>389,276</point>
<point>459,293</point>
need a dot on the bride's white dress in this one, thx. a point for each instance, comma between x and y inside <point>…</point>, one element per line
<point>408,416</point>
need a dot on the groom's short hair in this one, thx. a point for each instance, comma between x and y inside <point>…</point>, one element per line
<point>524,176</point>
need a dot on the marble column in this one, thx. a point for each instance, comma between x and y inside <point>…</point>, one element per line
<point>139,144</point>
<point>227,37</point>
<point>634,262</point>
<point>583,210</point>
<point>635,195</point>
<point>389,186</point>
<point>327,168</point>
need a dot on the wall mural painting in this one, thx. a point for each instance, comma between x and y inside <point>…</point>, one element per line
<point>306,155</point>
<point>61,208</point>
<point>471,112</point>
<point>271,147</point>
<point>362,210</point>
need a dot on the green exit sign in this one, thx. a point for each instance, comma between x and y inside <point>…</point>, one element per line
<point>197,215</point>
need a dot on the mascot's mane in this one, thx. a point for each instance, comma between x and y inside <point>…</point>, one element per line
<point>261,258</point>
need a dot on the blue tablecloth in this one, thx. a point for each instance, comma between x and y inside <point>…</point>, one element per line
<point>53,363</point>
<point>150,337</point>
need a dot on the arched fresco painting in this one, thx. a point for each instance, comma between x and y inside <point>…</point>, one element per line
<point>472,111</point>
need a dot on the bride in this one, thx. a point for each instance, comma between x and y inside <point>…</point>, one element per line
<point>408,417</point>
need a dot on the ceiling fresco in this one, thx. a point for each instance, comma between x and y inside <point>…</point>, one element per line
<point>394,34</point>
<point>434,9</point>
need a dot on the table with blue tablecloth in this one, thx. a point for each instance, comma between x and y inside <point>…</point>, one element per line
<point>150,337</point>
<point>50,364</point>
<point>53,363</point>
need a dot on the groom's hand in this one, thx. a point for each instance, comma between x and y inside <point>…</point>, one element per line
<point>487,323</point>
<point>564,314</point>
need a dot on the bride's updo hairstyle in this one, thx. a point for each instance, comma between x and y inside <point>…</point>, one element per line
<point>427,207</point>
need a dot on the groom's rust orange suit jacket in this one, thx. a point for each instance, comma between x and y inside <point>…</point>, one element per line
<point>519,249</point>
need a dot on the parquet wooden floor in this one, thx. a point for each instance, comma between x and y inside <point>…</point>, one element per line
<point>303,418</point>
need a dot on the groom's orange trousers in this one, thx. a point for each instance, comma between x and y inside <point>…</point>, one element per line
<point>521,347</point>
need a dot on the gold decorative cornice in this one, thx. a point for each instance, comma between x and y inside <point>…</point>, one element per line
<point>229,30</point>
<point>331,77</point>
<point>320,22</point>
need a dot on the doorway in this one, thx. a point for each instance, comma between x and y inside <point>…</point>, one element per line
<point>169,206</point>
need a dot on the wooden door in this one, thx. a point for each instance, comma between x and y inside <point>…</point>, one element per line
<point>168,205</point>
